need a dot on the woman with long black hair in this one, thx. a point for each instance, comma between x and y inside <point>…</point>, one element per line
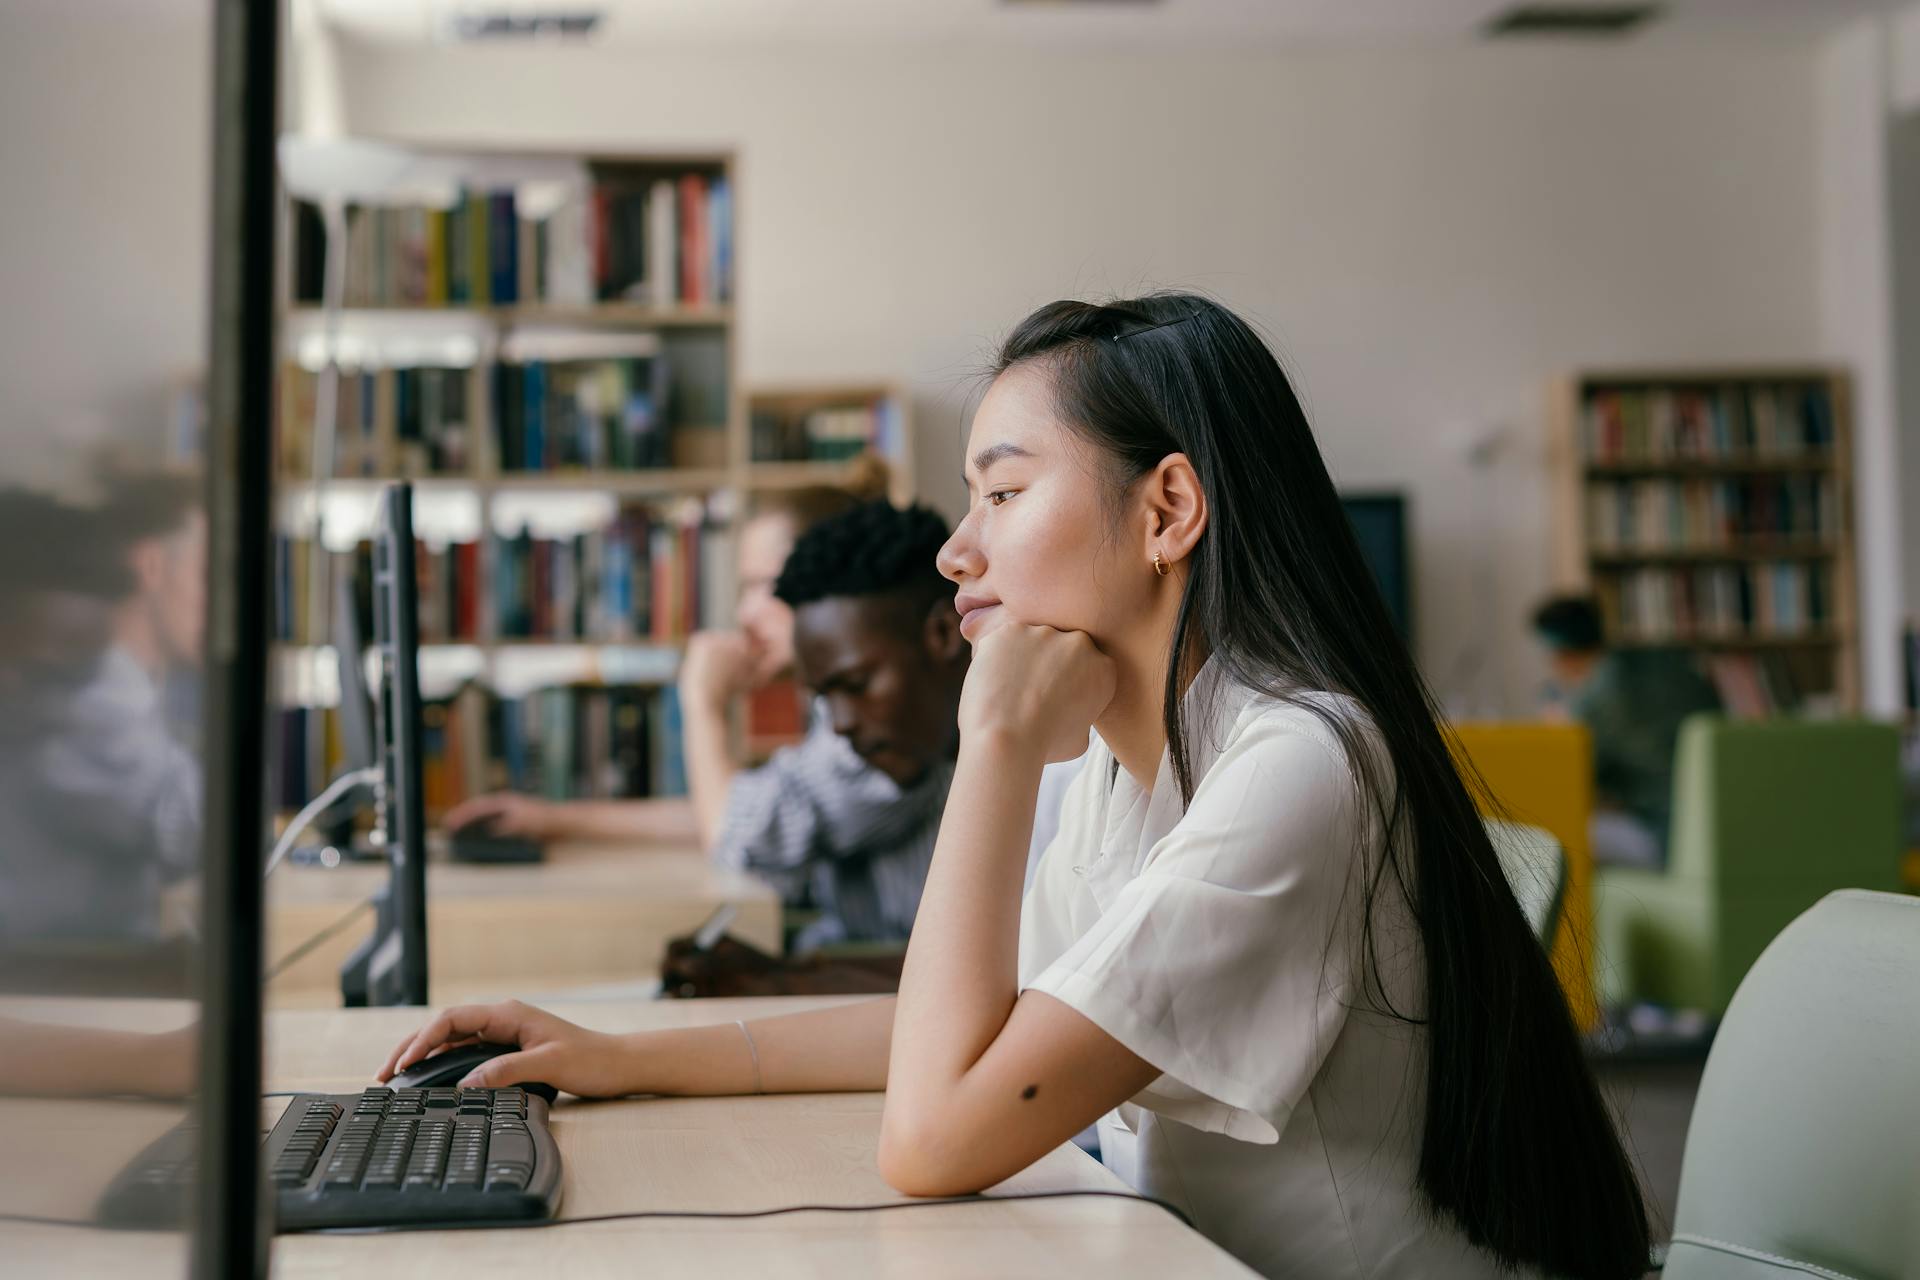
<point>1271,945</point>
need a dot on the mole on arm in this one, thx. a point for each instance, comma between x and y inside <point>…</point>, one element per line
<point>1027,1094</point>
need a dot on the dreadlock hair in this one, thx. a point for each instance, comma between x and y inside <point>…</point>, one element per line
<point>874,549</point>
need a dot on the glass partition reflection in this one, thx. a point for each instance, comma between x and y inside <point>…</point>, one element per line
<point>105,148</point>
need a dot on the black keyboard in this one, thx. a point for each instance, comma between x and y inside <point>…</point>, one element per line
<point>382,1157</point>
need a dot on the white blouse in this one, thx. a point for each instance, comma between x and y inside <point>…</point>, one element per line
<point>1222,945</point>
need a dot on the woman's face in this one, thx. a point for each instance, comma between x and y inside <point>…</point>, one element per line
<point>1040,543</point>
<point>767,622</point>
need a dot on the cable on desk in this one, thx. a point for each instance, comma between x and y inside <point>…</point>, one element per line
<point>539,1223</point>
<point>300,952</point>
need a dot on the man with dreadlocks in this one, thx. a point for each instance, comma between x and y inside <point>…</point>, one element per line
<point>846,819</point>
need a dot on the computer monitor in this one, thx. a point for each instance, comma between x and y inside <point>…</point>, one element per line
<point>390,967</point>
<point>1380,523</point>
<point>350,658</point>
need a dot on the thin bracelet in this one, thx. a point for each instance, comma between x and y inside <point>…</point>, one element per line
<point>753,1049</point>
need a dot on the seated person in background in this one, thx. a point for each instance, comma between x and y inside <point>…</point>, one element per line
<point>847,818</point>
<point>100,795</point>
<point>1632,701</point>
<point>720,668</point>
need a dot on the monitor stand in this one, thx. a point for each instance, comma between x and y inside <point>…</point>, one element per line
<point>371,975</point>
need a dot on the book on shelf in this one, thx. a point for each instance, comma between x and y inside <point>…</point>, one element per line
<point>600,414</point>
<point>776,716</point>
<point>1707,603</point>
<point>642,579</point>
<point>832,433</point>
<point>387,422</point>
<point>569,742</point>
<point>1705,424</point>
<point>564,743</point>
<point>307,753</point>
<point>1698,514</point>
<point>666,242</point>
<point>1753,686</point>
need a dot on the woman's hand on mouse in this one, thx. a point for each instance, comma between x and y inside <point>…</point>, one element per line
<point>552,1050</point>
<point>1037,687</point>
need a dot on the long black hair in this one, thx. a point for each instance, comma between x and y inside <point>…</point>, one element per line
<point>1517,1147</point>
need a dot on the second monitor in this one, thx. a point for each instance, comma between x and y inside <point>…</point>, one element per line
<point>390,967</point>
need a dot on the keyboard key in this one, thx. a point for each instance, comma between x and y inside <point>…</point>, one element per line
<point>341,1176</point>
<point>506,1177</point>
<point>511,1148</point>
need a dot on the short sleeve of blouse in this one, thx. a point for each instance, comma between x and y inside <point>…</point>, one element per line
<point>1228,961</point>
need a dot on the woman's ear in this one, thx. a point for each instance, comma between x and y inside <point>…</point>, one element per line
<point>1176,508</point>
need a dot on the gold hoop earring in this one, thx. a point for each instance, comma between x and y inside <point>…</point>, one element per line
<point>1159,565</point>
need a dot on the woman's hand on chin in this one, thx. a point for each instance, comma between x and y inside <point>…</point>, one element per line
<point>1035,687</point>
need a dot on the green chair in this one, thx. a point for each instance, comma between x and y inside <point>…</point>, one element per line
<point>1803,1154</point>
<point>1768,816</point>
<point>1536,870</point>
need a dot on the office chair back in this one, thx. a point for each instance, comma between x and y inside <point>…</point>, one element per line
<point>1803,1154</point>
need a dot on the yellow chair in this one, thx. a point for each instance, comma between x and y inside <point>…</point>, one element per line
<point>1542,775</point>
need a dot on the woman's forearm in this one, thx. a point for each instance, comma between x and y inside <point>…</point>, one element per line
<point>961,974</point>
<point>842,1049</point>
<point>710,765</point>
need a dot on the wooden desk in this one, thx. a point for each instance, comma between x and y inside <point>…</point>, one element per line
<point>665,1154</point>
<point>592,913</point>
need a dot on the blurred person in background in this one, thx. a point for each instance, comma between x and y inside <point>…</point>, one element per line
<point>1632,702</point>
<point>103,795</point>
<point>846,820</point>
<point>720,669</point>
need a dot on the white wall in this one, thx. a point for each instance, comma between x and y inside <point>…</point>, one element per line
<point>1856,323</point>
<point>1427,235</point>
<point>1903,154</point>
<point>104,162</point>
<point>1903,192</point>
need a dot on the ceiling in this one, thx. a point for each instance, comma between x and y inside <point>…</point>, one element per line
<point>1157,24</point>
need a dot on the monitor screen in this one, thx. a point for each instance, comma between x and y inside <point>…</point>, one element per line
<point>1380,522</point>
<point>349,654</point>
<point>390,967</point>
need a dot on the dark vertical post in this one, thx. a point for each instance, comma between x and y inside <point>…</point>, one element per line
<point>231,1229</point>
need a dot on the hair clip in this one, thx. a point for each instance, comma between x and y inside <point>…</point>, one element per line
<point>1149,328</point>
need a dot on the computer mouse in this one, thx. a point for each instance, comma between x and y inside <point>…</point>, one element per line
<point>483,841</point>
<point>444,1070</point>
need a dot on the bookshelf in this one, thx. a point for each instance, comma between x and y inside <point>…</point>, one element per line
<point>802,435</point>
<point>547,350</point>
<point>1710,510</point>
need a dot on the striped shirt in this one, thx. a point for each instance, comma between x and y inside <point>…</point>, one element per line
<point>825,828</point>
